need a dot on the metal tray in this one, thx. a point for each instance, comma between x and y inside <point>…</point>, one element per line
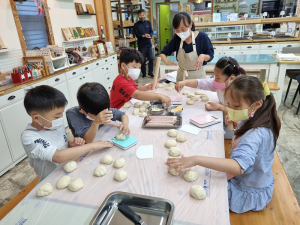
<point>176,125</point>
<point>153,210</point>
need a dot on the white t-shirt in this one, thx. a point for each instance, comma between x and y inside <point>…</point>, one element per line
<point>40,146</point>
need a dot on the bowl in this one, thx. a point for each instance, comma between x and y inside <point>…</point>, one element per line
<point>176,113</point>
<point>156,109</point>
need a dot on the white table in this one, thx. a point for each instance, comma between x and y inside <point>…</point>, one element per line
<point>147,177</point>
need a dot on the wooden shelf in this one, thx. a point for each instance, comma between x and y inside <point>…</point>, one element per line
<point>82,39</point>
<point>226,7</point>
<point>125,24</point>
<point>86,13</point>
<point>128,40</point>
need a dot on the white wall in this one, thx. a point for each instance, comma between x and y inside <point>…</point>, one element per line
<point>8,30</point>
<point>63,14</point>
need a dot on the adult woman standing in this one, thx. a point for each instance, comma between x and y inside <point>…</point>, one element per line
<point>193,49</point>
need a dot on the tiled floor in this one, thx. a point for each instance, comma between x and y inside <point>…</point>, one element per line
<point>287,147</point>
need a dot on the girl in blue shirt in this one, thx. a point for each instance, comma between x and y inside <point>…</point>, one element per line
<point>253,146</point>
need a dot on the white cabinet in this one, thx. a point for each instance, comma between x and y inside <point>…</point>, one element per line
<point>218,53</point>
<point>5,159</point>
<point>230,53</point>
<point>98,76</point>
<point>248,52</point>
<point>274,51</point>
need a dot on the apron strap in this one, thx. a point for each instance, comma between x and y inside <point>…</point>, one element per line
<point>181,43</point>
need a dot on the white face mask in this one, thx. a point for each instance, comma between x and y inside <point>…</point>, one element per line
<point>55,123</point>
<point>184,35</point>
<point>87,116</point>
<point>133,73</point>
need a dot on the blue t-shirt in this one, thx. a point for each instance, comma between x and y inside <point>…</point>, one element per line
<point>141,28</point>
<point>203,46</point>
<point>79,124</point>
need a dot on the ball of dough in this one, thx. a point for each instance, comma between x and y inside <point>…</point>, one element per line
<point>170,143</point>
<point>100,171</point>
<point>146,103</point>
<point>142,109</point>
<point>173,172</point>
<point>208,105</point>
<point>190,102</point>
<point>169,88</point>
<point>181,137</point>
<point>185,92</point>
<point>198,92</point>
<point>204,98</point>
<point>63,182</point>
<point>136,112</point>
<point>190,175</point>
<point>119,163</point>
<point>160,86</point>
<point>137,104</point>
<point>143,114</point>
<point>195,98</point>
<point>127,105</point>
<point>121,136</point>
<point>190,95</point>
<point>174,151</point>
<point>198,192</point>
<point>70,166</point>
<point>120,175</point>
<point>75,185</point>
<point>171,84</point>
<point>106,159</point>
<point>44,190</point>
<point>164,84</point>
<point>172,133</point>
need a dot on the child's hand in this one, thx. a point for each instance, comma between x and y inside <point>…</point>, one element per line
<point>166,99</point>
<point>104,117</point>
<point>78,141</point>
<point>123,127</point>
<point>227,121</point>
<point>181,163</point>
<point>179,86</point>
<point>150,86</point>
<point>102,144</point>
<point>214,106</point>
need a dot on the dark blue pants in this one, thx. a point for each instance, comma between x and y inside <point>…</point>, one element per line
<point>147,52</point>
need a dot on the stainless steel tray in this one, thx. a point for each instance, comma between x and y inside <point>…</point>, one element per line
<point>154,211</point>
<point>176,125</point>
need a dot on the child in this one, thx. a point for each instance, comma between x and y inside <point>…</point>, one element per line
<point>226,69</point>
<point>251,103</point>
<point>93,111</point>
<point>45,139</point>
<point>124,88</point>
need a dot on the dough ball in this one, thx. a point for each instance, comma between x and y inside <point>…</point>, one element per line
<point>198,192</point>
<point>208,105</point>
<point>190,95</point>
<point>127,105</point>
<point>172,133</point>
<point>164,84</point>
<point>136,112</point>
<point>44,190</point>
<point>204,98</point>
<point>106,159</point>
<point>142,109</point>
<point>121,136</point>
<point>137,104</point>
<point>75,185</point>
<point>190,102</point>
<point>100,171</point>
<point>119,163</point>
<point>160,85</point>
<point>185,92</point>
<point>195,98</point>
<point>120,175</point>
<point>70,166</point>
<point>170,89</point>
<point>181,137</point>
<point>171,84</point>
<point>190,175</point>
<point>174,151</point>
<point>146,104</point>
<point>173,172</point>
<point>143,114</point>
<point>63,182</point>
<point>198,92</point>
<point>170,143</point>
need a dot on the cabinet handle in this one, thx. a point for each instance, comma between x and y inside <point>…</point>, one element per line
<point>73,73</point>
<point>109,88</point>
<point>108,78</point>
<point>11,97</point>
<point>105,60</point>
<point>80,78</point>
<point>289,46</point>
<point>230,47</point>
<point>106,68</point>
<point>97,64</point>
<point>83,77</point>
<point>57,79</point>
<point>270,46</point>
<point>242,52</point>
<point>113,57</point>
<point>214,48</point>
<point>86,68</point>
<point>249,47</point>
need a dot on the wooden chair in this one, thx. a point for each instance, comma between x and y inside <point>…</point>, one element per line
<point>283,209</point>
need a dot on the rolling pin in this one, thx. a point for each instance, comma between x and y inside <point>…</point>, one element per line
<point>156,72</point>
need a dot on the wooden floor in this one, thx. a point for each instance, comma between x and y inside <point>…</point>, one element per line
<point>283,209</point>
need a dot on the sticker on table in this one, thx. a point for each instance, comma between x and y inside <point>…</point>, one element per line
<point>145,152</point>
<point>190,129</point>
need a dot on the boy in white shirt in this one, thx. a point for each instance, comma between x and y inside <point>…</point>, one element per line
<point>45,139</point>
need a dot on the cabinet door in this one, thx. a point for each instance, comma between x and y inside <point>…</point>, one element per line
<point>73,86</point>
<point>5,159</point>
<point>114,69</point>
<point>230,53</point>
<point>218,53</point>
<point>268,51</point>
<point>108,87</point>
<point>64,89</point>
<point>98,77</point>
<point>249,52</point>
<point>87,77</point>
<point>15,120</point>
